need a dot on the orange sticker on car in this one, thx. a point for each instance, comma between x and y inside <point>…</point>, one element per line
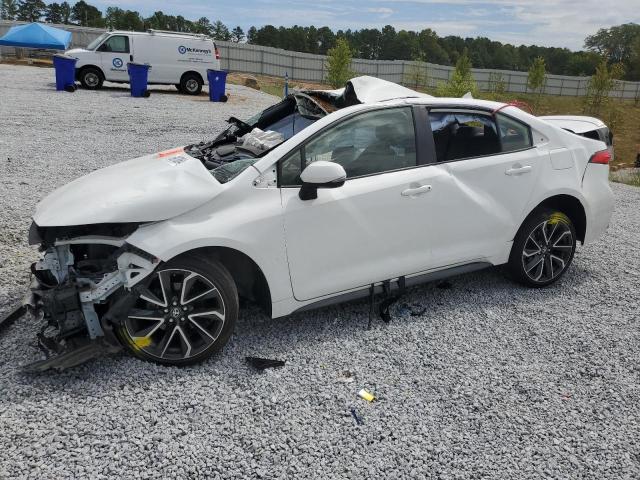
<point>168,153</point>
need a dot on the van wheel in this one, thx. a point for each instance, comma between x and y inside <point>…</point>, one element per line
<point>178,87</point>
<point>91,78</point>
<point>185,315</point>
<point>191,84</point>
<point>543,248</point>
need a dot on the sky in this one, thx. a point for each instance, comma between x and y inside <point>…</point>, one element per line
<point>557,23</point>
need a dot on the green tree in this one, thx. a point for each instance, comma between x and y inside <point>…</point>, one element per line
<point>8,9</point>
<point>87,15</point>
<point>31,10</point>
<point>461,81</point>
<point>219,31</point>
<point>615,43</point>
<point>237,34</point>
<point>600,85</point>
<point>120,19</point>
<point>339,64</point>
<point>537,78</point>
<point>53,13</point>
<point>497,85</point>
<point>159,21</point>
<point>203,25</point>
<point>429,48</point>
<point>633,72</point>
<point>65,13</point>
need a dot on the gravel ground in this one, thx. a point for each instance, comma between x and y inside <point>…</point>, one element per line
<point>481,380</point>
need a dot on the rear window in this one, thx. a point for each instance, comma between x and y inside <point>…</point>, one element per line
<point>466,134</point>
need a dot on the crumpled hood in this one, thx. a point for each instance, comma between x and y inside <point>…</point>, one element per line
<point>150,188</point>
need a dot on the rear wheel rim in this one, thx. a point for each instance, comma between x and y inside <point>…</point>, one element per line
<point>547,251</point>
<point>191,85</point>
<point>91,79</point>
<point>177,317</point>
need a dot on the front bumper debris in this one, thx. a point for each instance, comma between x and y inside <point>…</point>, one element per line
<point>81,304</point>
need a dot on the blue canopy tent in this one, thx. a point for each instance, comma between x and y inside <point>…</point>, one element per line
<point>36,35</point>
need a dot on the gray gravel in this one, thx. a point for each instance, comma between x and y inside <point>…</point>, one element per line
<point>482,380</point>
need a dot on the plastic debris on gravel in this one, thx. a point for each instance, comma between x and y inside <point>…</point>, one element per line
<point>484,379</point>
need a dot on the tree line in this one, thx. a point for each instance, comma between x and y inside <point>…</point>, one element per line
<point>618,45</point>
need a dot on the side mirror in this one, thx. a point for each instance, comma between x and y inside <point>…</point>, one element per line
<point>320,174</point>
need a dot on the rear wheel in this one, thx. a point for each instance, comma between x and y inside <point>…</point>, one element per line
<point>186,314</point>
<point>191,84</point>
<point>543,248</point>
<point>91,78</point>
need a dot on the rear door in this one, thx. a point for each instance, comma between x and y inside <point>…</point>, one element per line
<point>114,53</point>
<point>488,169</point>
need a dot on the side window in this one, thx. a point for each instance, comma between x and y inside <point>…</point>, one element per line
<point>460,135</point>
<point>366,144</point>
<point>513,134</point>
<point>115,44</point>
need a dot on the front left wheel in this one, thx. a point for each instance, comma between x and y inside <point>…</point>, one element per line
<point>185,315</point>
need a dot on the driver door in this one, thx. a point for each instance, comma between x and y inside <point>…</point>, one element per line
<point>114,53</point>
<point>373,227</point>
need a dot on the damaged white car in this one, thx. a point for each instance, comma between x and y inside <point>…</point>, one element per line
<point>325,197</point>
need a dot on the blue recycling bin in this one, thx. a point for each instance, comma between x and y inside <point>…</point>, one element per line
<point>217,82</point>
<point>138,76</point>
<point>65,72</point>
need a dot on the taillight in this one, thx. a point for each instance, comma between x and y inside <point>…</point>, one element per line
<point>217,52</point>
<point>602,157</point>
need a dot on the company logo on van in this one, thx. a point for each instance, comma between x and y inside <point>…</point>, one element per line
<point>198,51</point>
<point>117,62</point>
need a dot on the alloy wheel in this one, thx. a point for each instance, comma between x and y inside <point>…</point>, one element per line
<point>178,316</point>
<point>547,251</point>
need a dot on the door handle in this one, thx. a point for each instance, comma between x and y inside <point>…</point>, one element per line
<point>518,170</point>
<point>412,192</point>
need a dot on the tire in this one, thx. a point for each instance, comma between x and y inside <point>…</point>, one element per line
<point>91,78</point>
<point>178,87</point>
<point>543,248</point>
<point>191,84</point>
<point>178,322</point>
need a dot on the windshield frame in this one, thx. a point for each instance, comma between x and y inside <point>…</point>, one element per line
<point>96,42</point>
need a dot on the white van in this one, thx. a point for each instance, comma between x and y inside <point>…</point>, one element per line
<point>179,59</point>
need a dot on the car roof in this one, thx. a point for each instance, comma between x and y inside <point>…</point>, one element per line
<point>575,123</point>
<point>162,33</point>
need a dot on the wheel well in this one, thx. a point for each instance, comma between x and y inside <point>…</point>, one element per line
<point>84,67</point>
<point>191,72</point>
<point>572,208</point>
<point>247,275</point>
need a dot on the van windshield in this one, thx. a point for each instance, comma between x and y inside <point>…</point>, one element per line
<point>97,41</point>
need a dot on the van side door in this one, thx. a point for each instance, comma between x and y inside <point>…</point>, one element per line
<point>114,53</point>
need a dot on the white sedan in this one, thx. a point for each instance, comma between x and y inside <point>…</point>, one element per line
<point>325,197</point>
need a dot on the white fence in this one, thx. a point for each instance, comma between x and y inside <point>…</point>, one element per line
<point>259,60</point>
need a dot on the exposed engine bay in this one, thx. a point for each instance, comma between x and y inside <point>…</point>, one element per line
<point>242,143</point>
